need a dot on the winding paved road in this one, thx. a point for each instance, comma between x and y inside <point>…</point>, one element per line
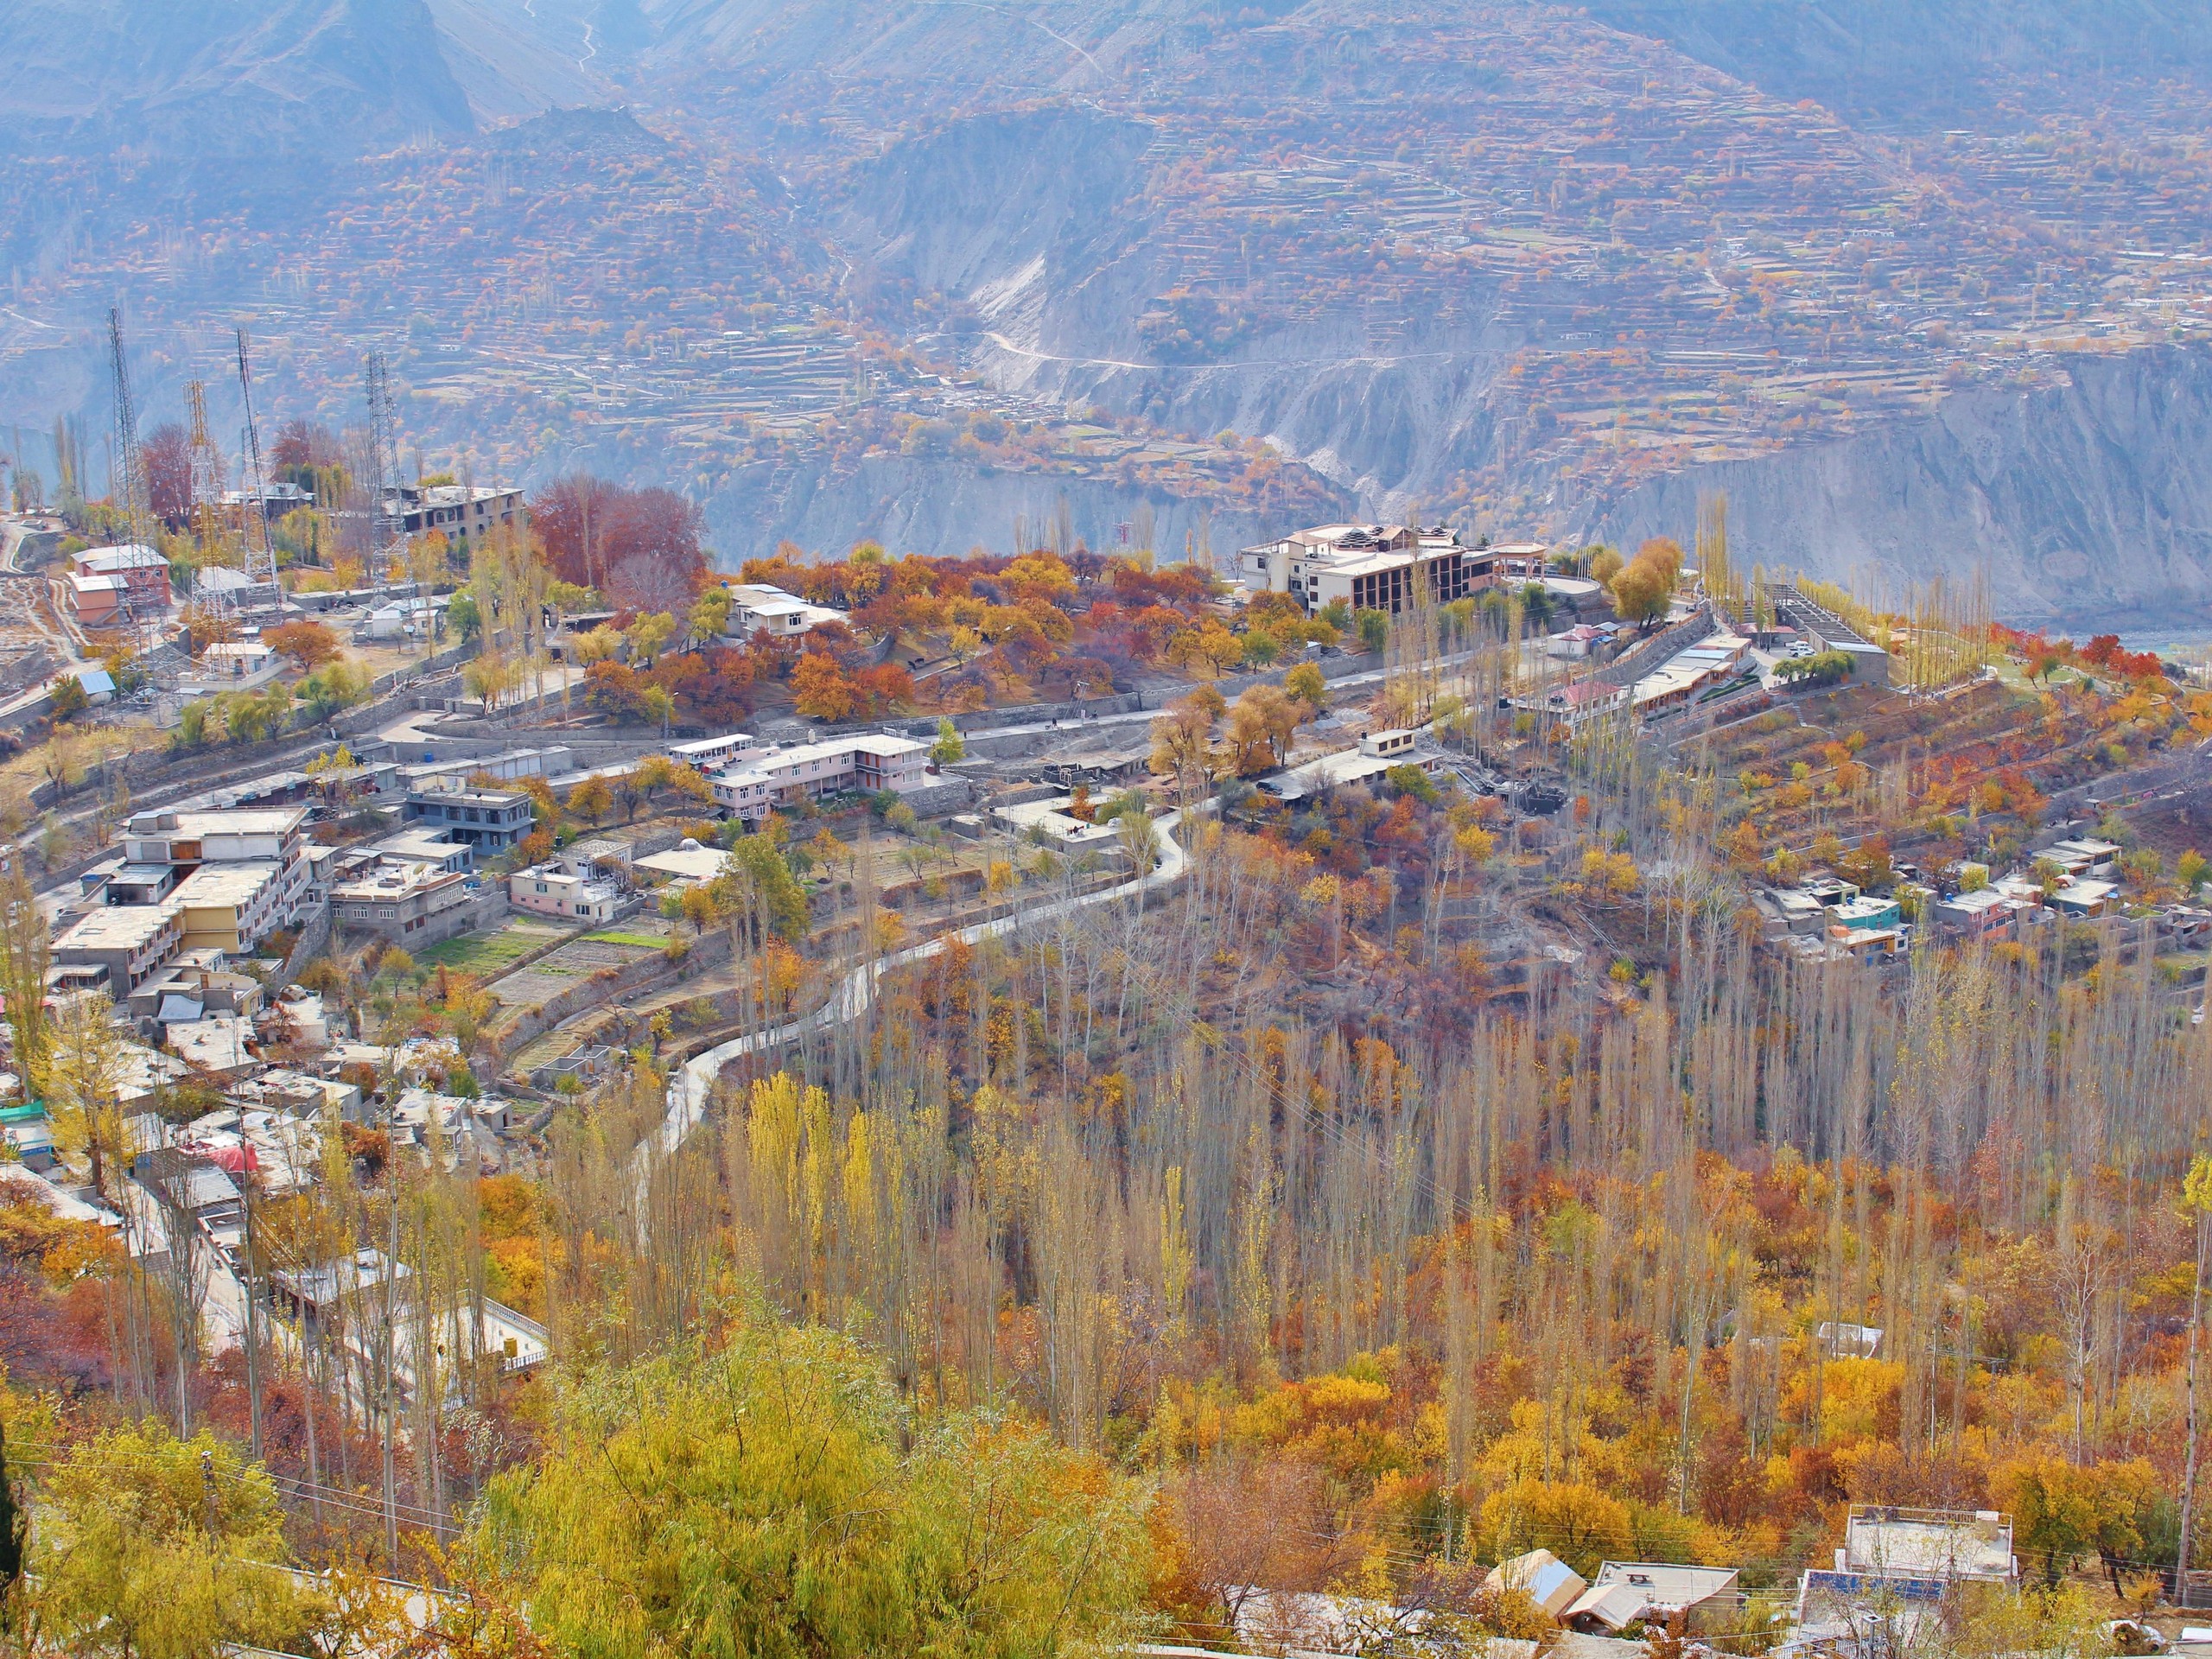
<point>690,1090</point>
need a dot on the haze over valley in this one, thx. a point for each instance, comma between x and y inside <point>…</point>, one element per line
<point>1925,288</point>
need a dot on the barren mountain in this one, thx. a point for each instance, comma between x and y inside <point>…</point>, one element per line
<point>911,267</point>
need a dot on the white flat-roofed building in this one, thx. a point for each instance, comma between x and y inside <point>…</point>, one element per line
<point>711,753</point>
<point>1368,567</point>
<point>127,943</point>
<point>221,835</point>
<point>238,659</point>
<point>429,846</point>
<point>755,607</point>
<point>765,779</point>
<point>691,862</point>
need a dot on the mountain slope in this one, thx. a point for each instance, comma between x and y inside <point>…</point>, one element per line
<point>225,78</point>
<point>2084,503</point>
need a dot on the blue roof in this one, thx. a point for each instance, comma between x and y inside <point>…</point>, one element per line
<point>96,680</point>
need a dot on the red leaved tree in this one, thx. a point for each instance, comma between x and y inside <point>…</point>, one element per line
<point>166,455</point>
<point>639,547</point>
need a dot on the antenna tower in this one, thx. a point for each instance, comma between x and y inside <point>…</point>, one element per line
<point>384,518</point>
<point>207,471</point>
<point>254,522</point>
<point>127,476</point>
<point>129,484</point>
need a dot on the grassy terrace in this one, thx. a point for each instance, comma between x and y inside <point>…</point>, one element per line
<point>486,953</point>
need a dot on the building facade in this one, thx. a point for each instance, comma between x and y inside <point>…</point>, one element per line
<point>408,903</point>
<point>489,820</point>
<point>458,510</point>
<point>118,584</point>
<point>127,943</point>
<point>550,890</point>
<point>1368,567</point>
<point>765,779</point>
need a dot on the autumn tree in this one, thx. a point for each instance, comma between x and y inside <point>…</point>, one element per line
<point>639,547</point>
<point>1261,728</point>
<point>790,1505</point>
<point>166,455</point>
<point>307,643</point>
<point>152,1548</point>
<point>821,689</point>
<point>1644,589</point>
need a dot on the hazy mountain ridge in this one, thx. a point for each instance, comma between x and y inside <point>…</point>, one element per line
<point>1537,269</point>
<point>231,79</point>
<point>1924,63</point>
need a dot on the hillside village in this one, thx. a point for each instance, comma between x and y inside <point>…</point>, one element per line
<point>458,865</point>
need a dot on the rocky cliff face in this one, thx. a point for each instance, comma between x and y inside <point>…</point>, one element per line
<point>946,508</point>
<point>2086,504</point>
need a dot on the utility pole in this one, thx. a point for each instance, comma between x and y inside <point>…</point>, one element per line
<point>390,1340</point>
<point>2196,1200</point>
<point>253,1327</point>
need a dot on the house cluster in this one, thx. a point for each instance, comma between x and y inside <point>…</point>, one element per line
<point>1825,915</point>
<point>220,882</point>
<point>2071,879</point>
<point>1898,1570</point>
<point>279,1088</point>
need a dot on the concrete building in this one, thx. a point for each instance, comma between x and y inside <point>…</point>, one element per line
<point>125,943</point>
<point>1983,913</point>
<point>1827,632</point>
<point>431,847</point>
<point>755,607</point>
<point>1368,567</point>
<point>489,820</point>
<point>239,663</point>
<point>460,512</point>
<point>410,903</point>
<point>1895,1571</point>
<point>550,890</point>
<point>399,619</point>
<point>689,863</point>
<point>109,586</point>
<point>232,907</point>
<point>712,753</point>
<point>218,836</point>
<point>234,875</point>
<point>765,779</point>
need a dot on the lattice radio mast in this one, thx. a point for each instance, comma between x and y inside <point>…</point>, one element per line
<point>128,483</point>
<point>385,523</point>
<point>265,568</point>
<point>127,480</point>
